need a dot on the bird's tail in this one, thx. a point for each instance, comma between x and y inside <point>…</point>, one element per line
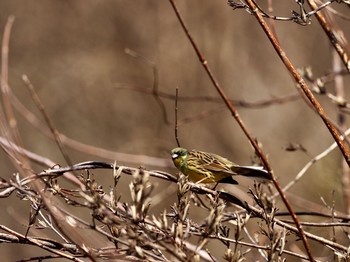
<point>252,171</point>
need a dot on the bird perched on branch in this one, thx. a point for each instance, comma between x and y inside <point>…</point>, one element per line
<point>203,167</point>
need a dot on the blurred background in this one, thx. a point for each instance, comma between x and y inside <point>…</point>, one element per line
<point>75,55</point>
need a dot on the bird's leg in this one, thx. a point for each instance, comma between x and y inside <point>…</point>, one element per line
<point>200,181</point>
<point>215,185</point>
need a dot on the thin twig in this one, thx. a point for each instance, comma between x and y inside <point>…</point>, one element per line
<point>340,94</point>
<point>274,100</point>
<point>344,218</point>
<point>176,115</point>
<point>48,121</point>
<point>8,118</point>
<point>39,243</point>
<point>155,88</point>
<point>320,224</point>
<point>302,172</point>
<point>4,73</point>
<point>43,161</point>
<point>103,165</point>
<point>335,12</point>
<point>253,245</point>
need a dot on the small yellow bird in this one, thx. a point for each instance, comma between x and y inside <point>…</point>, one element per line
<point>205,167</point>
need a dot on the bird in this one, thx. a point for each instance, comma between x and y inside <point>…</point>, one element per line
<point>203,167</point>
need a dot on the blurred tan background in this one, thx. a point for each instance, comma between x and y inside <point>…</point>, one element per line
<point>73,53</point>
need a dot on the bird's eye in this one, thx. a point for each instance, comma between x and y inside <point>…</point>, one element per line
<point>174,156</point>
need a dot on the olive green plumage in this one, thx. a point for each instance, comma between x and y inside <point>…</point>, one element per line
<point>205,167</point>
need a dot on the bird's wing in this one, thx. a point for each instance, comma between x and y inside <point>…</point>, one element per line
<point>210,162</point>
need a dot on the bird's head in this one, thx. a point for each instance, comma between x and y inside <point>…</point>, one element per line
<point>179,155</point>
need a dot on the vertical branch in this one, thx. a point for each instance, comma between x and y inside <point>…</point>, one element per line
<point>7,116</point>
<point>9,125</point>
<point>4,73</point>
<point>155,88</point>
<point>339,92</point>
<point>176,109</point>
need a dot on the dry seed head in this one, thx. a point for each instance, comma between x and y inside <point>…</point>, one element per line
<point>165,220</point>
<point>117,173</point>
<point>196,258</point>
<point>179,230</point>
<point>139,194</point>
<point>132,192</point>
<point>185,212</point>
<point>139,251</point>
<point>133,212</point>
<point>157,222</point>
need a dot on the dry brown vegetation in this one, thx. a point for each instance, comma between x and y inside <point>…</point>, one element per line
<point>96,93</point>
